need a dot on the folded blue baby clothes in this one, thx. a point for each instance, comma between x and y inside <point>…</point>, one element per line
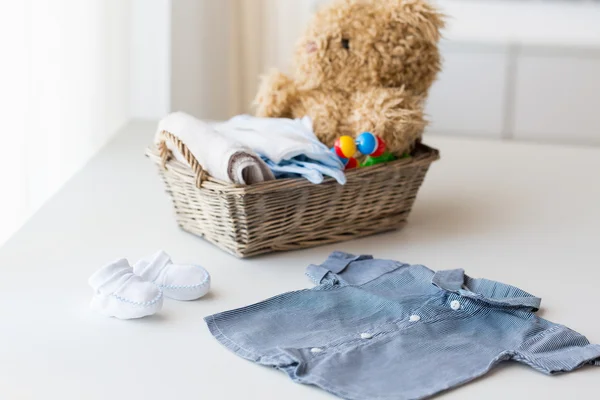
<point>306,168</point>
<point>288,146</point>
<point>382,329</point>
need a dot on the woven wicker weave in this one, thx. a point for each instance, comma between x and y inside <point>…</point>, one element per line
<point>288,214</point>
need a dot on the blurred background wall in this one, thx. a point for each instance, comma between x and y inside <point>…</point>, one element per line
<point>76,71</point>
<point>513,69</point>
<point>65,79</point>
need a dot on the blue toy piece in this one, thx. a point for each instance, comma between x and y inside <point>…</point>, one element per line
<point>366,143</point>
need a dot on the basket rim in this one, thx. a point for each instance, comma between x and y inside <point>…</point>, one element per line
<point>424,155</point>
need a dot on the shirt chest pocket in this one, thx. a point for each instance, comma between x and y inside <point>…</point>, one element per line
<point>348,269</point>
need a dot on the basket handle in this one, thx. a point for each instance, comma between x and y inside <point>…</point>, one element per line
<point>165,155</point>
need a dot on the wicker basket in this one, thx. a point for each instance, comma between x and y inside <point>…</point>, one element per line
<point>289,214</point>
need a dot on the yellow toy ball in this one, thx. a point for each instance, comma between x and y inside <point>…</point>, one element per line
<point>345,146</point>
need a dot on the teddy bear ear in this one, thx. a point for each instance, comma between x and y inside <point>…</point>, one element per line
<point>420,14</point>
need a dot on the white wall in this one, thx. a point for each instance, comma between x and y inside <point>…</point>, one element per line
<point>203,45</point>
<point>220,48</point>
<point>150,72</point>
<point>65,92</point>
<point>79,86</point>
<point>557,95</point>
<point>528,71</point>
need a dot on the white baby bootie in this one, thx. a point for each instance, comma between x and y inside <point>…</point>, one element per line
<point>179,282</point>
<point>121,294</point>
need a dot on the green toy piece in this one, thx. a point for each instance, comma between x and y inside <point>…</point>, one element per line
<point>385,157</point>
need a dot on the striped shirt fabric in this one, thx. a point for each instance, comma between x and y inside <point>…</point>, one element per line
<point>382,329</point>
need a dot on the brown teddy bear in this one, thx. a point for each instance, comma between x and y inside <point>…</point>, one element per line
<point>362,65</point>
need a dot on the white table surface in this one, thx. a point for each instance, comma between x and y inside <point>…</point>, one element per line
<point>519,213</point>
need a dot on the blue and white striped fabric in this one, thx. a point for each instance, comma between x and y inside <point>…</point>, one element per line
<point>381,329</point>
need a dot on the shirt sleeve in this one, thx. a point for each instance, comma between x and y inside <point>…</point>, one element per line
<point>558,349</point>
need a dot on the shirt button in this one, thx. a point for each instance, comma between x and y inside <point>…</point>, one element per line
<point>414,318</point>
<point>455,305</point>
<point>366,336</point>
<point>316,350</point>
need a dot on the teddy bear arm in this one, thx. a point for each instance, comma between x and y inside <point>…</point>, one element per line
<point>276,96</point>
<point>391,114</point>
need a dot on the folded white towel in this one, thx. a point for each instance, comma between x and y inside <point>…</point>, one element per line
<point>177,281</point>
<point>222,157</point>
<point>278,139</point>
<point>121,294</point>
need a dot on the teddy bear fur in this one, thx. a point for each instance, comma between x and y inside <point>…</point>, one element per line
<point>362,65</point>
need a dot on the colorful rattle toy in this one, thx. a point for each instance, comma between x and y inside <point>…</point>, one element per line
<point>366,143</point>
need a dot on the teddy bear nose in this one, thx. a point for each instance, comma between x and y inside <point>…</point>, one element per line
<point>311,47</point>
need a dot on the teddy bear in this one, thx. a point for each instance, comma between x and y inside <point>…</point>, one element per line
<point>362,65</point>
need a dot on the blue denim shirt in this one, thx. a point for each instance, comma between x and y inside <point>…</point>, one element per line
<point>381,329</point>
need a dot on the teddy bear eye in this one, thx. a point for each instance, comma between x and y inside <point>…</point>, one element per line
<point>346,43</point>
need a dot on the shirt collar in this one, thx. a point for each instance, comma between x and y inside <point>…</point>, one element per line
<point>491,292</point>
